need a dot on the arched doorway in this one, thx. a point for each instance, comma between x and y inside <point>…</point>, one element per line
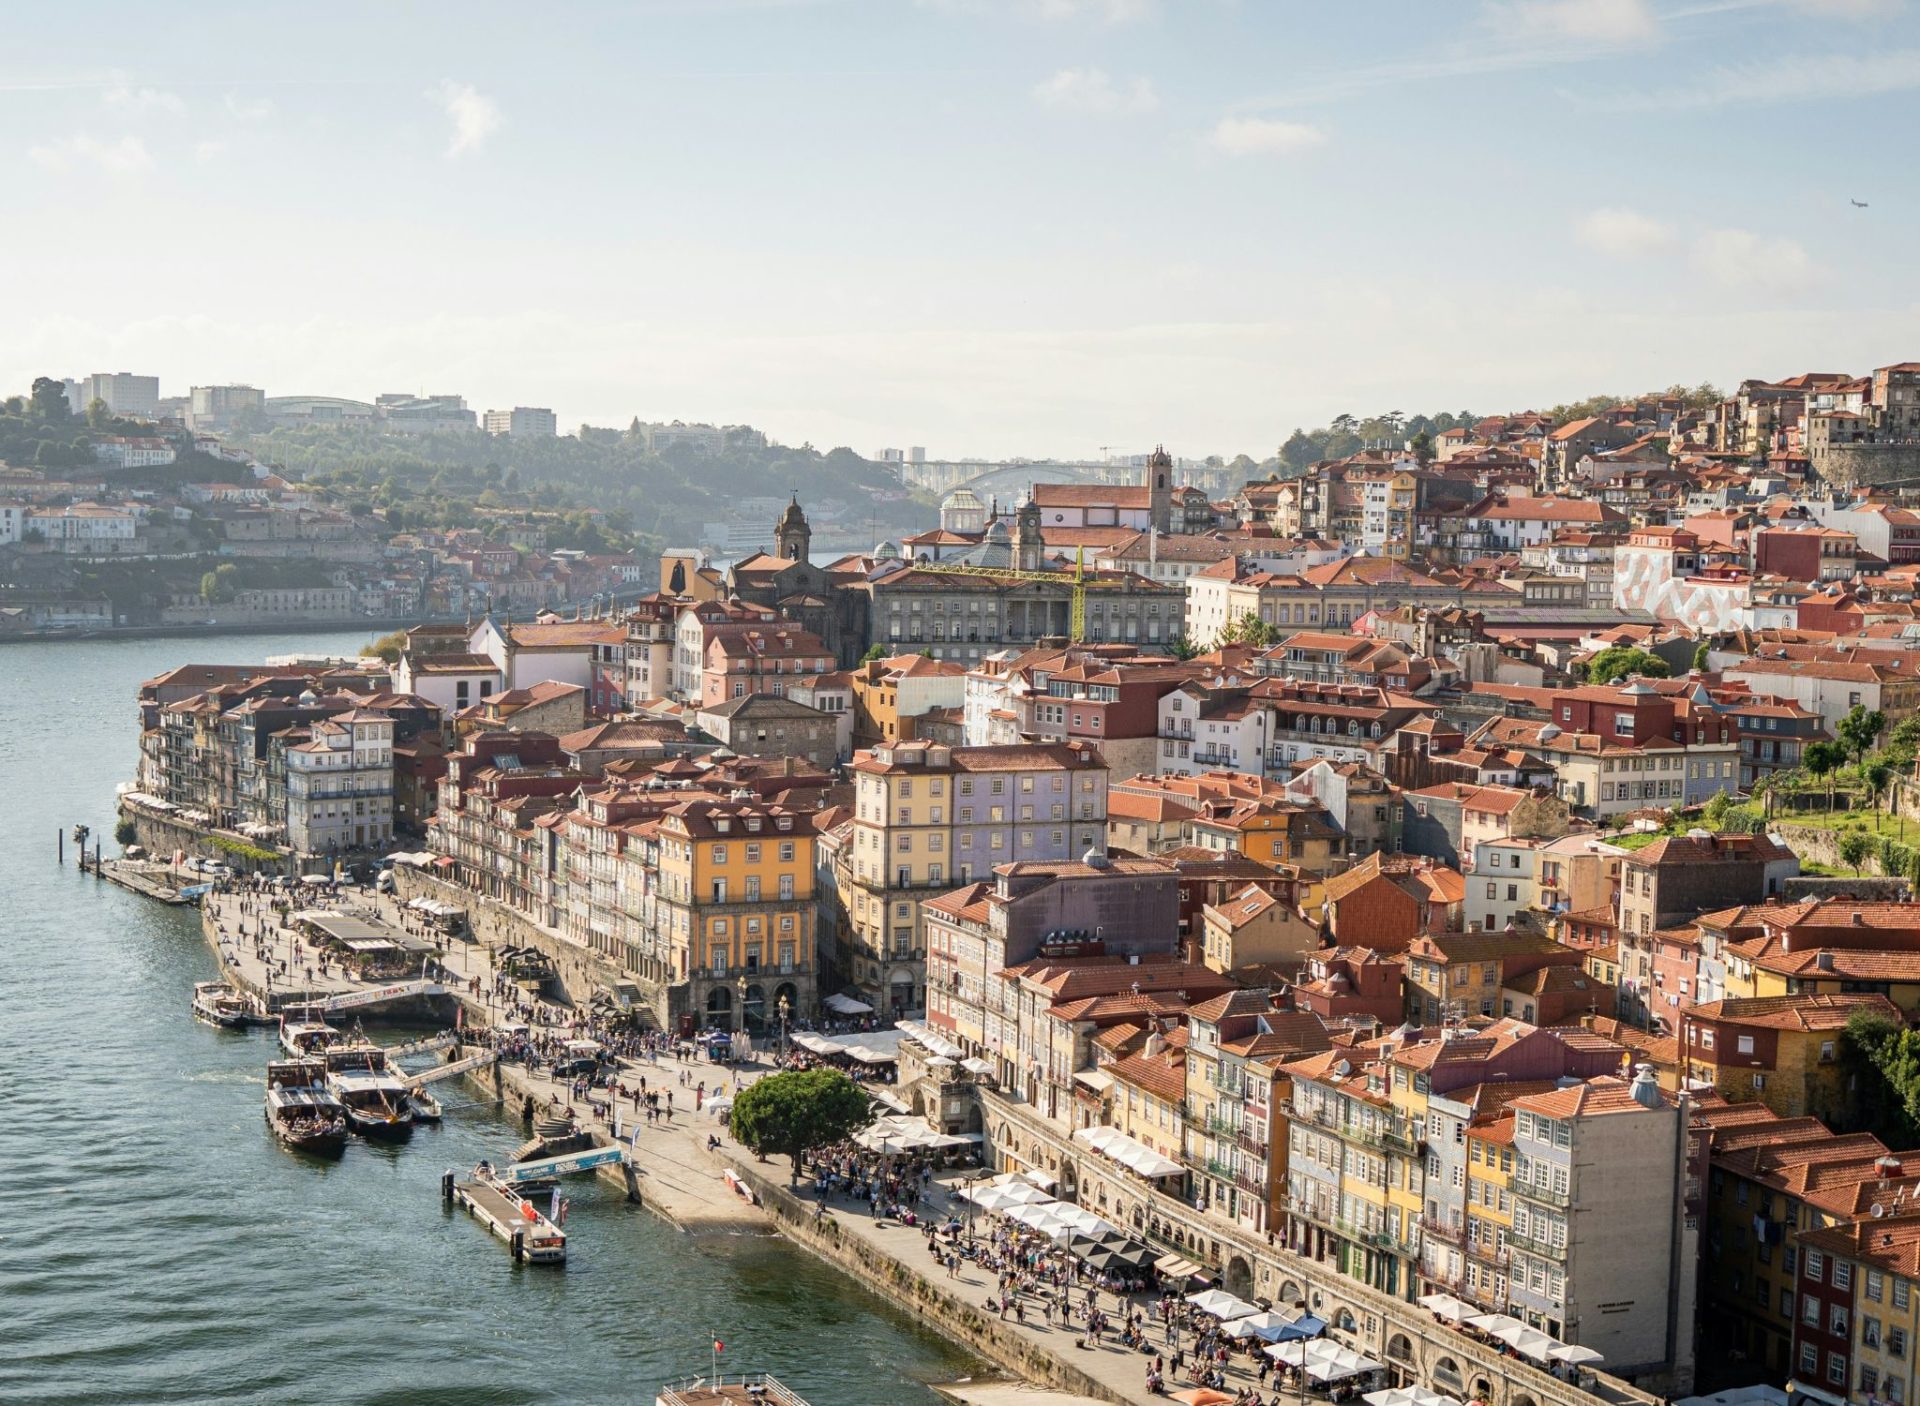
<point>719,1009</point>
<point>786,992</point>
<point>1447,1376</point>
<point>1522,1399</point>
<point>1400,1358</point>
<point>1239,1277</point>
<point>1290,1292</point>
<point>753,1010</point>
<point>901,993</point>
<point>1482,1389</point>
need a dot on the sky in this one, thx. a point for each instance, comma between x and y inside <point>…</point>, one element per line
<point>985,227</point>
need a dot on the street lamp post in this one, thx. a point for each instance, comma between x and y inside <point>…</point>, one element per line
<point>740,988</point>
<point>786,1009</point>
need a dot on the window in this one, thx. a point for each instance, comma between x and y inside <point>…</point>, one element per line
<point>1809,1359</point>
<point>1810,1310</point>
<point>1837,1321</point>
<point>1896,1342</point>
<point>1876,1285</point>
<point>1870,1332</point>
<point>1836,1368</point>
<point>1842,1274</point>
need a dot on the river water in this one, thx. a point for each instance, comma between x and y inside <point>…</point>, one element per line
<point>157,1245</point>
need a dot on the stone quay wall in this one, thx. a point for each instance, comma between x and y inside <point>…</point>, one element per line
<point>1385,1328</point>
<point>911,1291</point>
<point>163,834</point>
<point>578,970</point>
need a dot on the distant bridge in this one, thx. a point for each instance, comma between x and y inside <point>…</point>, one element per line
<point>1012,480</point>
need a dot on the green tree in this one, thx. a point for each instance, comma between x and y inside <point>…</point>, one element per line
<point>1884,1060</point>
<point>1700,658</point>
<point>797,1111</point>
<point>1422,447</point>
<point>1619,661</point>
<point>875,653</point>
<point>1824,759</point>
<point>387,648</point>
<point>1180,647</point>
<point>125,832</point>
<point>1859,728</point>
<point>1249,628</point>
<point>1855,846</point>
<point>1876,774</point>
<point>49,401</point>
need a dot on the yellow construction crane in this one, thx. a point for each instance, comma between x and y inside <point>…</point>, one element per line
<point>1076,578</point>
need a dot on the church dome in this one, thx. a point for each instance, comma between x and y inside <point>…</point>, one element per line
<point>963,498</point>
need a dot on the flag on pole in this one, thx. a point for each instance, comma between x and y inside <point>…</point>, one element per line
<point>719,1346</point>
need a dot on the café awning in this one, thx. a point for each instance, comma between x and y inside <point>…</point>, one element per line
<point>846,1005</point>
<point>1130,1153</point>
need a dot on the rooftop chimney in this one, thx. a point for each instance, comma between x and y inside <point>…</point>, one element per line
<point>1645,1088</point>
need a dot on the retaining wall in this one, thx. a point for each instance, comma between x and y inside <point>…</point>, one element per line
<point>578,971</point>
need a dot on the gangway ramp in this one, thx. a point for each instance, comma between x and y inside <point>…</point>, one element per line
<point>566,1163</point>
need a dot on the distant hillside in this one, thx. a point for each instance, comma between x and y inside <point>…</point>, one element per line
<point>661,498</point>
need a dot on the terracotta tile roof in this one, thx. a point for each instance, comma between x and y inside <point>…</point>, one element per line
<point>1162,1075</point>
<point>1603,1095</point>
<point>1798,1012</point>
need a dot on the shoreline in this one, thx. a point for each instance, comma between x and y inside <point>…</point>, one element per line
<point>675,1177</point>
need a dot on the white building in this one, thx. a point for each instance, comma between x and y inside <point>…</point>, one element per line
<point>522,422</point>
<point>214,407</point>
<point>711,439</point>
<point>1502,880</point>
<point>1589,1160</point>
<point>83,528</point>
<point>136,397</point>
<point>449,681</point>
<point>133,451</point>
<point>340,785</point>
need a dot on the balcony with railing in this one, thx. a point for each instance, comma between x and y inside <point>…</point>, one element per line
<point>1545,1195</point>
<point>1538,1243</point>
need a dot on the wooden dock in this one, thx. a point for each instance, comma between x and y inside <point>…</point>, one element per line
<point>530,1237</point>
<point>148,880</point>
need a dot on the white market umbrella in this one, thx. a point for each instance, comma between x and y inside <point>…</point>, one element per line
<point>1221,1304</point>
<point>1447,1306</point>
<point>1265,1326</point>
<point>1575,1354</point>
<point>1408,1396</point>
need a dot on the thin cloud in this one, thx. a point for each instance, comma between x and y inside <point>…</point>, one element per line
<point>1112,12</point>
<point>1622,234</point>
<point>126,157</point>
<point>1612,22</point>
<point>248,109</point>
<point>122,96</point>
<point>1799,79</point>
<point>1263,136</point>
<point>1093,91</point>
<point>475,116</point>
<point>1738,258</point>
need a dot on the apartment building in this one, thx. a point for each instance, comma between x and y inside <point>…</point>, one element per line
<point>928,816</point>
<point>340,785</point>
<point>736,902</point>
<point>1588,1160</point>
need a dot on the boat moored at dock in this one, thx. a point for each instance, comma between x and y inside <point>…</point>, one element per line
<point>302,1039</point>
<point>301,1109</point>
<point>376,1097</point>
<point>225,1005</point>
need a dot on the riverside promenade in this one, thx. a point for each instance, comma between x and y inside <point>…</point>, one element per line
<point>682,1179</point>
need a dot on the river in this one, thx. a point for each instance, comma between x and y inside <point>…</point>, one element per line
<point>157,1245</point>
